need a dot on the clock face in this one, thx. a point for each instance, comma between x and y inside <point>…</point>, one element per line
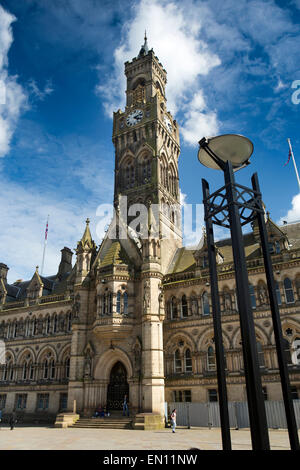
<point>134,117</point>
<point>168,124</point>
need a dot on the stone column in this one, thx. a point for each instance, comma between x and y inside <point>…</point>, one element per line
<point>153,396</point>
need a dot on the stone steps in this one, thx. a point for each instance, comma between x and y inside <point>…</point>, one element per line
<point>104,423</point>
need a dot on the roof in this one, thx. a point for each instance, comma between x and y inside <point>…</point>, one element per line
<point>115,255</point>
<point>184,260</point>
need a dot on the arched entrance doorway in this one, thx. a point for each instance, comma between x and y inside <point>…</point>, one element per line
<point>117,387</point>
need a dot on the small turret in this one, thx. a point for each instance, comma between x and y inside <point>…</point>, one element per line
<point>144,49</point>
<point>85,252</point>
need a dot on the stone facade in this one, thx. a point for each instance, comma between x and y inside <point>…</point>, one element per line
<point>133,316</point>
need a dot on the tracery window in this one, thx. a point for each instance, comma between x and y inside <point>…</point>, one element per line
<point>48,325</point>
<point>125,303</point>
<point>129,176</point>
<point>211,359</point>
<point>146,171</point>
<point>173,308</point>
<point>122,303</point>
<point>45,369</point>
<point>252,296</point>
<point>184,307</point>
<point>55,324</point>
<point>69,321</point>
<point>188,366</point>
<point>288,290</point>
<point>205,304</point>
<point>177,359</point>
<point>8,370</point>
<point>278,294</point>
<point>52,369</point>
<point>261,357</point>
<point>67,368</point>
<point>118,302</point>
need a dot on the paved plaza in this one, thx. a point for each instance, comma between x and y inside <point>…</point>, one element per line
<point>48,438</point>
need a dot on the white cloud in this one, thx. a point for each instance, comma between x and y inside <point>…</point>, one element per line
<point>38,93</point>
<point>280,85</point>
<point>293,214</point>
<point>24,214</point>
<point>198,122</point>
<point>173,33</point>
<point>11,91</point>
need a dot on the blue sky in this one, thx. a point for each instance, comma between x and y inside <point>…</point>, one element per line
<point>231,67</point>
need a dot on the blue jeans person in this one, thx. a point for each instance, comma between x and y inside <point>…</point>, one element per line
<point>125,409</point>
<point>173,424</point>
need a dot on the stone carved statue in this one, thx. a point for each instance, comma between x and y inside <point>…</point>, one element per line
<point>227,302</point>
<point>262,295</point>
<point>88,365</point>
<point>146,295</point>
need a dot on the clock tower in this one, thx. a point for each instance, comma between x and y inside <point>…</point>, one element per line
<point>146,140</point>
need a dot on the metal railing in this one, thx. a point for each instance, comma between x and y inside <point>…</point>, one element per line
<point>208,415</point>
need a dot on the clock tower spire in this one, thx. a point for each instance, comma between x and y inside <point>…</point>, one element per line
<point>146,140</point>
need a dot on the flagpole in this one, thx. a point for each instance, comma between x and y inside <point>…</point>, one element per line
<point>295,166</point>
<point>45,243</point>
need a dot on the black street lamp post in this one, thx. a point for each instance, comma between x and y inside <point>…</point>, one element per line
<point>234,206</point>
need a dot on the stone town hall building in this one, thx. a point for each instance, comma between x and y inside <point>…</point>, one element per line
<point>134,314</point>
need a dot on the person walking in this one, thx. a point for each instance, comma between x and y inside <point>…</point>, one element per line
<point>125,406</point>
<point>12,420</point>
<point>173,420</point>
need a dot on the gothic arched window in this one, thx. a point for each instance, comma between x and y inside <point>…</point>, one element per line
<point>260,353</point>
<point>288,290</point>
<point>8,372</point>
<point>67,368</point>
<point>184,307</point>
<point>178,365</point>
<point>278,294</point>
<point>25,370</point>
<point>188,366</point>
<point>173,308</point>
<point>48,325</point>
<point>252,296</point>
<point>205,304</point>
<point>55,324</point>
<point>146,171</point>
<point>45,369</point>
<point>211,359</point>
<point>30,371</point>
<point>52,369</point>
<point>125,303</point>
<point>69,321</point>
<point>118,302</point>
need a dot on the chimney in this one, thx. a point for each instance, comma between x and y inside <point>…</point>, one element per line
<point>3,272</point>
<point>65,265</point>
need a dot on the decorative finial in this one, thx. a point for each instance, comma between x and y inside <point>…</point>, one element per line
<point>144,49</point>
<point>36,268</point>
<point>87,221</point>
